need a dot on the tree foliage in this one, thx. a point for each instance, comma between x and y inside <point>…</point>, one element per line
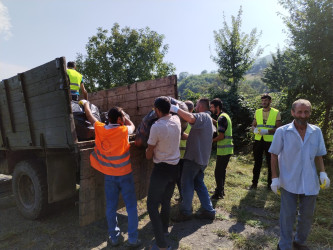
<point>305,70</point>
<point>123,56</point>
<point>234,50</point>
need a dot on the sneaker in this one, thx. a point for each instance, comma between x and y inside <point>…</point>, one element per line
<point>205,215</point>
<point>133,245</point>
<point>114,243</point>
<point>181,217</point>
<point>216,196</point>
<point>298,246</point>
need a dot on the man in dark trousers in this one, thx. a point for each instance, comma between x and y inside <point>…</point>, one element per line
<point>163,147</point>
<point>225,147</point>
<point>266,121</point>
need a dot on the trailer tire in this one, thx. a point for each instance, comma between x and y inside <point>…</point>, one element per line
<point>30,189</point>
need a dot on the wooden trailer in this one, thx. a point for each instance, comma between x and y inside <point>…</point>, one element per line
<point>39,146</point>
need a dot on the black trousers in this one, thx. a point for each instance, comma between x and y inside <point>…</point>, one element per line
<point>181,162</point>
<point>220,171</point>
<point>260,147</point>
<point>161,187</point>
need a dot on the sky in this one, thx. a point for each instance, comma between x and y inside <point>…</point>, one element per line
<point>35,32</point>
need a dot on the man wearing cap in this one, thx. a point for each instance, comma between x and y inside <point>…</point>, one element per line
<point>266,121</point>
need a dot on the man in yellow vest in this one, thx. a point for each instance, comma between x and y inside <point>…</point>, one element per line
<point>111,156</point>
<point>75,79</point>
<point>225,147</point>
<point>265,122</point>
<point>182,147</point>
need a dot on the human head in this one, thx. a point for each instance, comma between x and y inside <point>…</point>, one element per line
<point>190,105</point>
<point>116,115</point>
<point>202,105</point>
<point>216,106</point>
<point>301,111</point>
<point>71,65</point>
<point>162,106</point>
<point>266,100</point>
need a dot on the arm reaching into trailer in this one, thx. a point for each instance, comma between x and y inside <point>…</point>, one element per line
<point>87,110</point>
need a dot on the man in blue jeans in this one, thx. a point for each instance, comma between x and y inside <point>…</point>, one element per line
<point>111,157</point>
<point>197,154</point>
<point>163,147</point>
<point>297,149</point>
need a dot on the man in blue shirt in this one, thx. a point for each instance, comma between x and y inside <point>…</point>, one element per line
<point>297,149</point>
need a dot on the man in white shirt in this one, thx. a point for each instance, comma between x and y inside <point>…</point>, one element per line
<point>163,147</point>
<point>296,150</point>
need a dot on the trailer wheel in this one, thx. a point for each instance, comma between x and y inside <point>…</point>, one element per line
<point>30,189</point>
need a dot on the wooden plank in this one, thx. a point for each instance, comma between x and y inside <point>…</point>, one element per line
<point>157,83</point>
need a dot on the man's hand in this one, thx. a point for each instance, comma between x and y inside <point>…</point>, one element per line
<point>275,185</point>
<point>263,131</point>
<point>255,130</point>
<point>174,109</point>
<point>325,181</point>
<point>82,102</point>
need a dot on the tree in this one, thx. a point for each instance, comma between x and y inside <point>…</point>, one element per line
<point>309,62</point>
<point>234,50</point>
<point>123,57</point>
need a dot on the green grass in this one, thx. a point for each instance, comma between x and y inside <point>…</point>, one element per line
<point>260,208</point>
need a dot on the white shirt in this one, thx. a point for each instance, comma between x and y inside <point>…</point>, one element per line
<point>298,172</point>
<point>165,136</point>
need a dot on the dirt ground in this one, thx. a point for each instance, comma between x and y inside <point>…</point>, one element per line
<point>60,229</point>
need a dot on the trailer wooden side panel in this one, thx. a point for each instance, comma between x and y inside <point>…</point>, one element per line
<point>35,109</point>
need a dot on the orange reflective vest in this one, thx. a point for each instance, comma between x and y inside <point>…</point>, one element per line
<point>111,154</point>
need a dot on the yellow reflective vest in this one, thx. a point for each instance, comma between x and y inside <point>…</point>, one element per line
<point>270,124</point>
<point>75,79</point>
<point>182,144</point>
<point>225,146</point>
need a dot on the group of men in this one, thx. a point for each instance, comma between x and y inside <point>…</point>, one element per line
<point>292,153</point>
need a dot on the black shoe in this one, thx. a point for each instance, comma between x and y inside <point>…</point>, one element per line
<point>205,215</point>
<point>278,247</point>
<point>112,243</point>
<point>216,196</point>
<point>253,187</point>
<point>133,245</point>
<point>269,187</point>
<point>299,246</point>
<point>181,217</point>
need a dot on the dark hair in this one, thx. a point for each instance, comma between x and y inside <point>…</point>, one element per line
<point>114,113</point>
<point>204,102</point>
<point>266,95</point>
<point>163,104</point>
<point>189,105</point>
<point>217,103</point>
<point>71,65</point>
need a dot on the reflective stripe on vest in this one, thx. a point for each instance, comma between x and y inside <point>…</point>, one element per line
<point>225,146</point>
<point>111,154</point>
<point>75,79</point>
<point>182,144</point>
<point>270,124</point>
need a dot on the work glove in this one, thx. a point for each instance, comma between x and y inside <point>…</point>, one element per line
<point>263,131</point>
<point>255,130</point>
<point>82,102</point>
<point>275,185</point>
<point>174,109</point>
<point>325,181</point>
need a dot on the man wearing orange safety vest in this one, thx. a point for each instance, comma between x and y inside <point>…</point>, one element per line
<point>111,156</point>
<point>265,122</point>
<point>76,84</point>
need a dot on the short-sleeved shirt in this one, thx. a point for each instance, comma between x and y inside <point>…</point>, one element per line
<point>296,158</point>
<point>222,124</point>
<point>165,136</point>
<point>199,141</point>
<point>115,125</point>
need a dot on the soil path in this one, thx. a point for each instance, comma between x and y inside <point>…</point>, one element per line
<point>61,230</point>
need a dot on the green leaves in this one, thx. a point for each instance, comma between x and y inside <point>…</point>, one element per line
<point>234,50</point>
<point>123,56</point>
